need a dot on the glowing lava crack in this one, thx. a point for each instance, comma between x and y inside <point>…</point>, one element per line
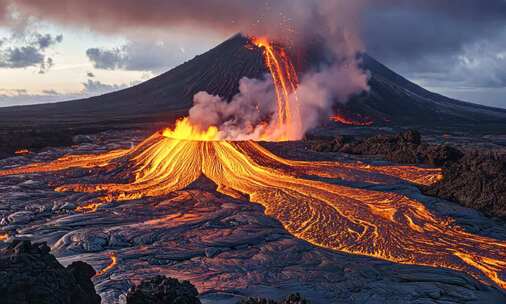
<point>372,223</point>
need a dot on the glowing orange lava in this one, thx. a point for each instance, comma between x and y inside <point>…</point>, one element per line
<point>114,262</point>
<point>380,224</point>
<point>185,131</point>
<point>339,118</point>
<point>4,237</point>
<point>285,81</point>
<point>22,152</point>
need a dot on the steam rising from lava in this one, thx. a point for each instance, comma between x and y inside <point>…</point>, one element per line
<point>279,107</point>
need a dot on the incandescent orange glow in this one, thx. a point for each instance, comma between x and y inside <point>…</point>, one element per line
<point>22,152</point>
<point>184,130</point>
<point>88,208</point>
<point>379,224</point>
<point>285,80</point>
<point>4,237</point>
<point>350,122</point>
<point>114,262</point>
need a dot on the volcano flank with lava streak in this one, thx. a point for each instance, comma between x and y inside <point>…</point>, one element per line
<point>380,224</point>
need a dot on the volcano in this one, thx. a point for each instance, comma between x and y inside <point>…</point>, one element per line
<point>392,99</point>
<point>347,208</point>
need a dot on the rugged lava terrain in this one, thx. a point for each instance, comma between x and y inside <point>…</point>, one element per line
<point>227,247</point>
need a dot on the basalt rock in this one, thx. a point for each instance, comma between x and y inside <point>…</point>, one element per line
<point>292,299</point>
<point>477,181</point>
<point>405,148</point>
<point>163,290</point>
<point>30,274</point>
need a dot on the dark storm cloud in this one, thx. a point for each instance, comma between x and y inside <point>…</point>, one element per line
<point>30,54</point>
<point>410,28</point>
<point>440,43</point>
<point>47,40</point>
<point>292,20</point>
<point>392,29</point>
<point>105,59</point>
<point>3,10</point>
<point>447,23</point>
<point>21,57</point>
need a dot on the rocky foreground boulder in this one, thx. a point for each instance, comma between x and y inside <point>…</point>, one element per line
<point>405,148</point>
<point>29,274</point>
<point>163,290</point>
<point>292,299</point>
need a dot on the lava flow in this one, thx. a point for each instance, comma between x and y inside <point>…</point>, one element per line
<point>340,118</point>
<point>379,224</point>
<point>385,225</point>
<point>112,264</point>
<point>285,81</point>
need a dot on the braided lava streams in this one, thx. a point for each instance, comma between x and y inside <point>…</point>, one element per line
<point>385,225</point>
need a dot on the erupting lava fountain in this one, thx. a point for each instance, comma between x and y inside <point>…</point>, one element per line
<point>379,224</point>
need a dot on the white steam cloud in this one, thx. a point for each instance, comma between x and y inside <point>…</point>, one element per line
<point>250,115</point>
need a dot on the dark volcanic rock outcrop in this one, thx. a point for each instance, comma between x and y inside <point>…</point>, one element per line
<point>405,148</point>
<point>163,290</point>
<point>29,274</point>
<point>476,181</point>
<point>292,299</point>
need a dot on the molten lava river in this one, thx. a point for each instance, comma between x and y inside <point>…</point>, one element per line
<point>380,224</point>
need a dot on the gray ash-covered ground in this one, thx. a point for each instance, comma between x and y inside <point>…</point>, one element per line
<point>228,248</point>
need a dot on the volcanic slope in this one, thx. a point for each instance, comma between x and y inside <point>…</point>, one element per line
<point>391,100</point>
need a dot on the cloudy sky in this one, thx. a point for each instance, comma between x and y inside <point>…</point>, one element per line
<point>59,50</point>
